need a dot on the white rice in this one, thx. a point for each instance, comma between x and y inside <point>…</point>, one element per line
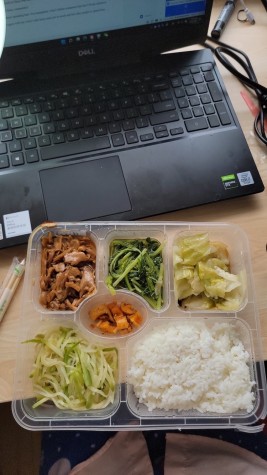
<point>192,366</point>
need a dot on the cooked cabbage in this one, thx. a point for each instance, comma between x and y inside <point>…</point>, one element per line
<point>202,275</point>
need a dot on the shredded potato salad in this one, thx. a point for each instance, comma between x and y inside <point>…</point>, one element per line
<point>71,372</point>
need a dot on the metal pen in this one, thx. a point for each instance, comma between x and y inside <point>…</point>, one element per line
<point>223,18</point>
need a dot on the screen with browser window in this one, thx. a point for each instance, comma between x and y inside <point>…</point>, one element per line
<point>33,21</point>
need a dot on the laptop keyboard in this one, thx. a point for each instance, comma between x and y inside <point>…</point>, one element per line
<point>110,116</point>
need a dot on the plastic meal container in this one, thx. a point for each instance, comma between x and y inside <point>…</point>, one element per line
<point>126,413</point>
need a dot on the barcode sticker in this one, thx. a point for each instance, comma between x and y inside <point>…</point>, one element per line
<point>245,178</point>
<point>17,224</point>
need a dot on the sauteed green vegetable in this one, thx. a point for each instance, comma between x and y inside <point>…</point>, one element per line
<point>137,265</point>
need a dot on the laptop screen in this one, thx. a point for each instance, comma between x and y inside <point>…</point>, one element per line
<point>105,26</point>
<point>35,20</point>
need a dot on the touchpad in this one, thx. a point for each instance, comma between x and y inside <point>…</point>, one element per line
<point>85,190</point>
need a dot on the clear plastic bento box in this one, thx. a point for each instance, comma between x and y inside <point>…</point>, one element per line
<point>169,307</point>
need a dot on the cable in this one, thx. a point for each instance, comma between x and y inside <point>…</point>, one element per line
<point>249,80</point>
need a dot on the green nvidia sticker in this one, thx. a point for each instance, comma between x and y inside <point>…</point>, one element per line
<point>229,181</point>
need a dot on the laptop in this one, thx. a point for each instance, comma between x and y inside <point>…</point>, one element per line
<point>97,124</point>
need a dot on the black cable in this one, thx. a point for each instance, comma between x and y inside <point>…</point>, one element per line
<point>249,80</point>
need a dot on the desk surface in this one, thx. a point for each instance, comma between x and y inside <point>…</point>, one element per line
<point>249,212</point>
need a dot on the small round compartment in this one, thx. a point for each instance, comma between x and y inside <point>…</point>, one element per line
<point>119,298</point>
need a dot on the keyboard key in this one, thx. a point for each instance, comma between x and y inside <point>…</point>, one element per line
<point>215,92</point>
<point>114,127</point>
<point>164,118</point>
<point>3,148</point>
<point>190,90</point>
<point>146,137</point>
<point>183,102</point>
<point>3,124</point>
<point>205,98</point>
<point>17,159</point>
<point>193,125</point>
<point>142,122</point>
<point>101,130</point>
<point>209,76</point>
<point>35,108</point>
<point>4,161</point>
<point>128,124</point>
<point>21,110</point>
<point>187,114</point>
<point>30,120</point>
<point>164,106</point>
<point>72,135</point>
<point>213,120</point>
<point>162,134</point>
<point>179,92</point>
<point>159,128</point>
<point>145,110</point>
<point>198,78</point>
<point>14,146</point>
<point>6,136</point>
<point>177,131</point>
<point>165,95</point>
<point>202,88</point>
<point>86,133</point>
<point>44,141</point>
<point>131,137</point>
<point>32,156</point>
<point>194,101</point>
<point>49,128</point>
<point>7,113</point>
<point>15,123</point>
<point>209,109</point>
<point>35,130</point>
<point>117,140</point>
<point>187,80</point>
<point>29,143</point>
<point>21,133</point>
<point>176,82</point>
<point>198,111</point>
<point>44,118</point>
<point>222,113</point>
<point>160,86</point>
<point>72,148</point>
<point>206,67</point>
<point>58,138</point>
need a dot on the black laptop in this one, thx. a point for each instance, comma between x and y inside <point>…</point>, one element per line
<point>96,123</point>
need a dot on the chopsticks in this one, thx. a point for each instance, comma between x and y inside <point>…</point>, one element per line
<point>10,284</point>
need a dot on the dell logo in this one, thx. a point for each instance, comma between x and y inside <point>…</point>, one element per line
<point>86,52</point>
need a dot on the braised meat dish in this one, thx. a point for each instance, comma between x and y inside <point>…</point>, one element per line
<point>68,264</point>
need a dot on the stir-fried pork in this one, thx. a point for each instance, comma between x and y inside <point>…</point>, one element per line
<point>67,271</point>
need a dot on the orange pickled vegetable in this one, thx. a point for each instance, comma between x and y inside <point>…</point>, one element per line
<point>115,318</point>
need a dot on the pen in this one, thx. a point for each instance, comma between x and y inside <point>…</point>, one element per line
<point>10,284</point>
<point>223,18</point>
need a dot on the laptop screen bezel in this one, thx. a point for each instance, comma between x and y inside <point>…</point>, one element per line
<point>132,44</point>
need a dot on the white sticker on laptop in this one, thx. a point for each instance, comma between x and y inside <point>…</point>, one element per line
<point>17,224</point>
<point>245,178</point>
<point>1,232</point>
